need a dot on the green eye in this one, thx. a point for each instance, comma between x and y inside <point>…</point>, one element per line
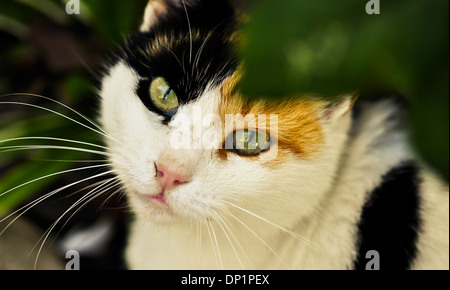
<point>249,142</point>
<point>163,97</point>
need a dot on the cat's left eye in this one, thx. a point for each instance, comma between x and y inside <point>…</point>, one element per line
<point>163,97</point>
<point>249,142</point>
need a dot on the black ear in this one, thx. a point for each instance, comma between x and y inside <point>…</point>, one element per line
<point>173,14</point>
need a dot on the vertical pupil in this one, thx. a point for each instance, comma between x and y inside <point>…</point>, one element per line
<point>166,94</point>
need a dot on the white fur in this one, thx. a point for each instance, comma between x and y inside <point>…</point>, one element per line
<point>433,242</point>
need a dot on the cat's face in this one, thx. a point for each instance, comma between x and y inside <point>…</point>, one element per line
<point>172,111</point>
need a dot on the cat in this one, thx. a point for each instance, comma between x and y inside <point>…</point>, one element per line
<point>331,184</point>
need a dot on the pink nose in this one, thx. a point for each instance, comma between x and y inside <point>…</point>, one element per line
<point>168,179</point>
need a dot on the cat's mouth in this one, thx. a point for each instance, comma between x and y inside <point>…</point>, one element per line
<point>159,199</point>
<point>166,205</point>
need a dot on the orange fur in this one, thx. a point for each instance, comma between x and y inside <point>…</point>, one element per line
<point>298,128</point>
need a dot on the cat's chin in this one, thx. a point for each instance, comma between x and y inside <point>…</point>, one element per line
<point>158,209</point>
<point>152,207</point>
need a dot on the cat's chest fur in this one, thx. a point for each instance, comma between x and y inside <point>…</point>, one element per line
<point>191,246</point>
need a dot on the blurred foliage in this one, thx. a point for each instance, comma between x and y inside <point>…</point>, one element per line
<point>47,52</point>
<point>330,48</point>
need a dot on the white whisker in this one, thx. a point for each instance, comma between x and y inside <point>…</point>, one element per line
<point>190,31</point>
<point>261,240</point>
<point>53,139</point>
<point>90,196</point>
<point>220,221</point>
<point>293,234</point>
<point>176,57</point>
<point>35,147</point>
<point>199,239</point>
<point>59,103</point>
<point>89,186</point>
<point>102,183</point>
<point>217,245</point>
<point>111,195</point>
<point>72,161</point>
<point>53,174</point>
<point>28,206</point>
<point>54,112</point>
<point>212,243</point>
<point>97,129</point>
<point>225,223</point>
<point>94,193</point>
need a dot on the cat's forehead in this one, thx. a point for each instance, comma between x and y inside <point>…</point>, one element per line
<point>189,60</point>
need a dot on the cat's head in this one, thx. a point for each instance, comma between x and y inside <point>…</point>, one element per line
<point>184,142</point>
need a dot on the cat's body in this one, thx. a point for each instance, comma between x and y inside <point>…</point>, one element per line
<point>341,182</point>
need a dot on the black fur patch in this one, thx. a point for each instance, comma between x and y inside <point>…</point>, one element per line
<point>205,14</point>
<point>390,220</point>
<point>368,98</point>
<point>187,57</point>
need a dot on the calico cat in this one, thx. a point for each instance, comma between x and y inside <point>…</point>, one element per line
<point>328,186</point>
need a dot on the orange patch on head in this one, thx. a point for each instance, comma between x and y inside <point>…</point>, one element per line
<point>299,132</point>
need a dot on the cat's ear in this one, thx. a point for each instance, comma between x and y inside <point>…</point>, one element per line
<point>198,13</point>
<point>338,108</point>
<point>155,12</point>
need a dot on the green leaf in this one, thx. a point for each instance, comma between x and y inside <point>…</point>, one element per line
<point>114,19</point>
<point>330,48</point>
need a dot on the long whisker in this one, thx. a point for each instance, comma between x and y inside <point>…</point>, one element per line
<point>212,243</point>
<point>88,68</point>
<point>176,57</point>
<point>53,139</point>
<point>34,147</point>
<point>72,161</point>
<point>199,239</point>
<point>30,205</point>
<point>88,186</point>
<point>225,222</point>
<point>220,221</point>
<point>111,195</point>
<point>115,183</point>
<point>96,192</point>
<point>293,234</point>
<point>54,112</point>
<point>120,195</point>
<point>200,50</point>
<point>190,31</point>
<point>217,245</point>
<point>261,240</point>
<point>90,195</point>
<point>59,103</point>
<point>101,183</point>
<point>98,130</point>
<point>53,174</point>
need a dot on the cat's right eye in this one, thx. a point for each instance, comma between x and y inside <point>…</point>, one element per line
<point>163,97</point>
<point>250,142</point>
